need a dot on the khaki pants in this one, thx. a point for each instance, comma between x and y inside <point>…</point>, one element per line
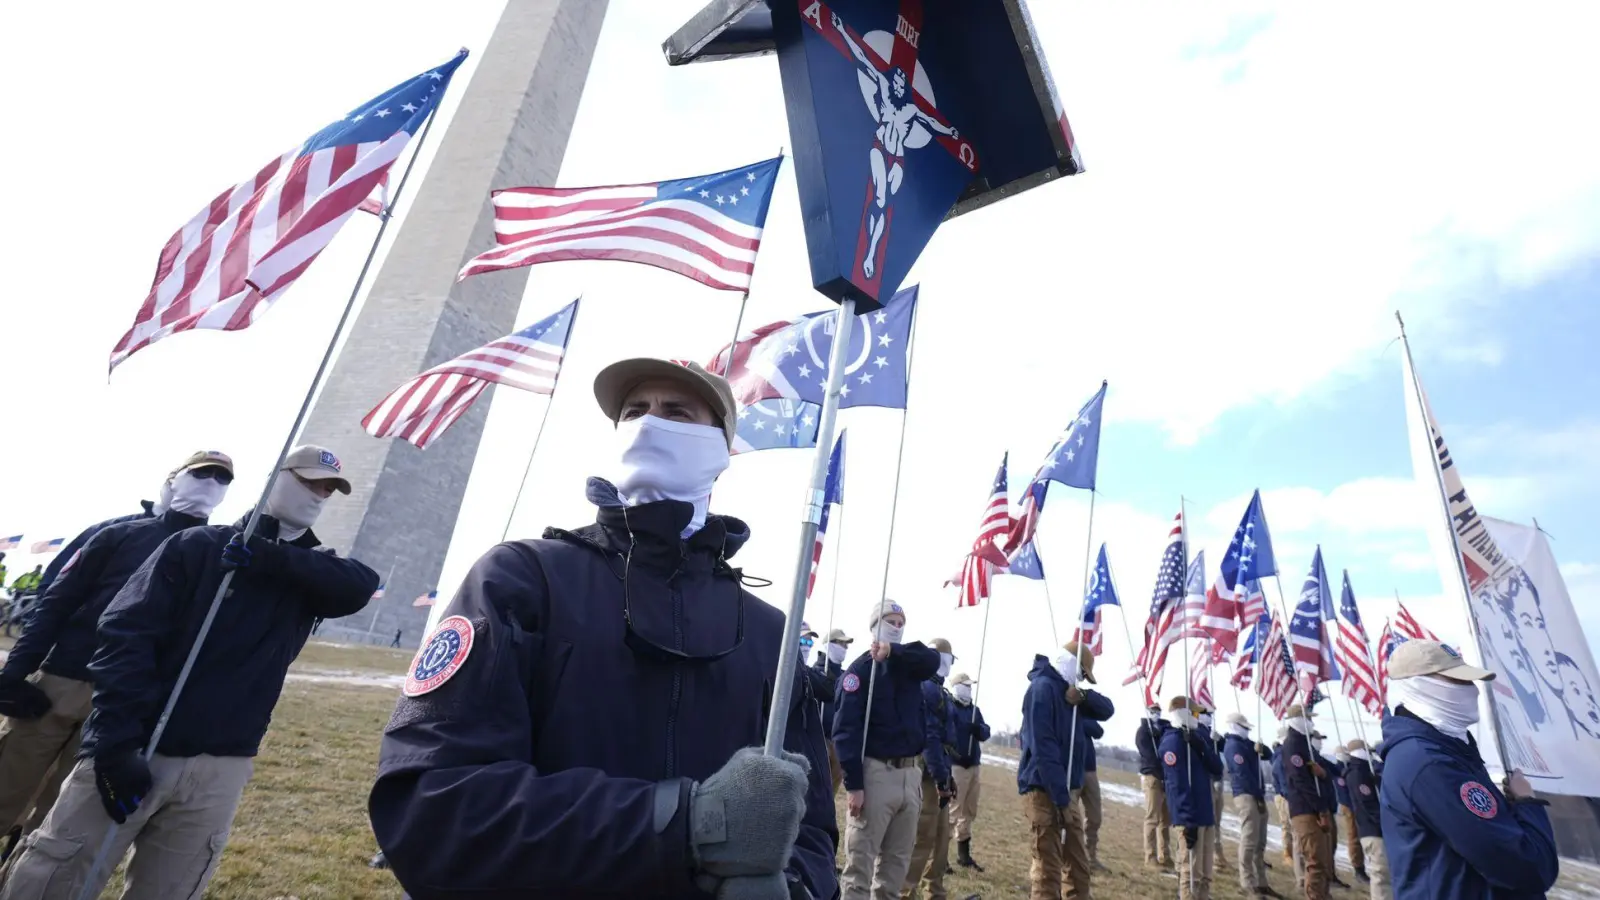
<point>834,770</point>
<point>1093,815</point>
<point>1199,859</point>
<point>1057,863</point>
<point>878,845</point>
<point>37,754</point>
<point>177,835</point>
<point>1252,815</point>
<point>1377,867</point>
<point>1352,841</point>
<point>1283,825</point>
<point>1311,867</point>
<point>965,809</point>
<point>932,854</point>
<point>1157,824</point>
<point>1216,830</point>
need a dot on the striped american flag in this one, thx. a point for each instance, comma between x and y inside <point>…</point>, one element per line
<point>1277,681</point>
<point>707,227</point>
<point>226,266</point>
<point>11,543</point>
<point>1354,657</point>
<point>1200,677</point>
<point>1166,609</point>
<point>421,409</point>
<point>49,546</point>
<point>1252,604</point>
<point>427,599</point>
<point>1244,662</point>
<point>378,594</point>
<point>1388,639</point>
<point>1407,625</point>
<point>833,493</point>
<point>986,557</point>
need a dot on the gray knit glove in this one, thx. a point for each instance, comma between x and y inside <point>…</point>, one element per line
<point>744,819</point>
<point>758,887</point>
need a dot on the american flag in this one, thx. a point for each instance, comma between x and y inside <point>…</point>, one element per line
<point>985,557</point>
<point>421,409</point>
<point>1276,685</point>
<point>1309,639</point>
<point>1165,608</point>
<point>1218,616</point>
<point>224,268</point>
<point>1360,678</point>
<point>1253,605</point>
<point>49,546</point>
<point>1407,625</point>
<point>1102,593</point>
<point>833,493</point>
<point>11,543</point>
<point>1200,678</point>
<point>427,599</point>
<point>378,594</point>
<point>1244,661</point>
<point>707,227</point>
<point>1388,639</point>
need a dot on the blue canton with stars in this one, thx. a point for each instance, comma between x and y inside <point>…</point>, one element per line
<point>776,425</point>
<point>1310,615</point>
<point>401,108</point>
<point>1026,562</point>
<point>1249,555</point>
<point>1101,591</point>
<point>1072,461</point>
<point>552,329</point>
<point>741,194</point>
<point>1347,606</point>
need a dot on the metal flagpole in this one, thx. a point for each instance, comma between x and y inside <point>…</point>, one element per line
<point>537,435</point>
<point>1183,632</point>
<point>1044,578</point>
<point>983,643</point>
<point>838,551</point>
<point>250,524</point>
<point>1455,544</point>
<point>1077,626</point>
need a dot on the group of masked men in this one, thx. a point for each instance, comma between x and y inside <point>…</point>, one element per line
<point>117,616</point>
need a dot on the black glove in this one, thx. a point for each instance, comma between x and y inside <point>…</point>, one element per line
<point>123,780</point>
<point>236,555</point>
<point>22,699</point>
<point>1191,836</point>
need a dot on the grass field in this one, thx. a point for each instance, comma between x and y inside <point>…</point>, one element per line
<point>302,831</point>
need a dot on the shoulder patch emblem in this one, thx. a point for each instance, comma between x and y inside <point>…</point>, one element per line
<point>1238,759</point>
<point>850,682</point>
<point>1296,761</point>
<point>1365,791</point>
<point>1339,782</point>
<point>440,658</point>
<point>1479,800</point>
<point>1170,758</point>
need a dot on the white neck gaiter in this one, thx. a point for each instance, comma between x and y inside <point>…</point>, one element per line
<point>294,506</point>
<point>963,694</point>
<point>945,662</point>
<point>1452,708</point>
<point>836,653</point>
<point>889,634</point>
<point>1182,718</point>
<point>660,459</point>
<point>195,496</point>
<point>1362,755</point>
<point>1205,719</point>
<point>1299,724</point>
<point>163,498</point>
<point>1068,666</point>
<point>1239,731</point>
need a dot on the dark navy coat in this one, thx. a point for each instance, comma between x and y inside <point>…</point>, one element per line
<point>970,732</point>
<point>1364,787</point>
<point>147,631</point>
<point>1244,767</point>
<point>558,759</point>
<point>1448,829</point>
<point>1049,740</point>
<point>899,728</point>
<point>1341,791</point>
<point>831,671</point>
<point>1327,788</point>
<point>53,571</point>
<point>1188,763</point>
<point>1144,738</point>
<point>1094,732</point>
<point>1302,788</point>
<point>60,637</point>
<point>1279,784</point>
<point>938,730</point>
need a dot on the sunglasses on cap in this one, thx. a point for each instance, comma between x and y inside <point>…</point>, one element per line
<point>213,473</point>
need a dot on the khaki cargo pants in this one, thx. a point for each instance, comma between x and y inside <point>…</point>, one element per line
<point>1060,858</point>
<point>177,835</point>
<point>878,845</point>
<point>1377,867</point>
<point>1252,815</point>
<point>37,754</point>
<point>1312,856</point>
<point>1194,866</point>
<point>1216,829</point>
<point>1093,815</point>
<point>965,809</point>
<point>932,854</point>
<point>1157,824</point>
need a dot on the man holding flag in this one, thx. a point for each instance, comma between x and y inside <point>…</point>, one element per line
<point>970,731</point>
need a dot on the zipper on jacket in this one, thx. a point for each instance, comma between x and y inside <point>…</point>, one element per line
<point>677,679</point>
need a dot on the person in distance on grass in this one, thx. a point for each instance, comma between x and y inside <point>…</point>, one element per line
<point>830,662</point>
<point>1364,786</point>
<point>176,808</point>
<point>1207,719</point>
<point>587,719</point>
<point>1157,824</point>
<point>881,756</point>
<point>1280,789</point>
<point>971,731</point>
<point>1449,830</point>
<point>45,689</point>
<point>1243,757</point>
<point>1308,811</point>
<point>1189,762</point>
<point>1327,772</point>
<point>1347,820</point>
<point>931,854</point>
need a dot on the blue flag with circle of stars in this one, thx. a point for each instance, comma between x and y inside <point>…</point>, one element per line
<point>775,425</point>
<point>1102,592</point>
<point>1074,457</point>
<point>1249,555</point>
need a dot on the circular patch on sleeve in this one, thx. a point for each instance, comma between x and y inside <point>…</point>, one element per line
<point>1479,800</point>
<point>851,683</point>
<point>1170,758</point>
<point>440,658</point>
<point>1238,759</point>
<point>1365,791</point>
<point>1339,782</point>
<point>1296,761</point>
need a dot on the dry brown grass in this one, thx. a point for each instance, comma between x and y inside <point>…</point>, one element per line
<point>362,660</point>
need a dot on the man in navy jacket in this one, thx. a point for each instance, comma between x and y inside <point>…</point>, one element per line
<point>1189,762</point>
<point>830,662</point>
<point>1449,830</point>
<point>1364,786</point>
<point>1157,823</point>
<point>970,733</point>
<point>931,854</point>
<point>1242,757</point>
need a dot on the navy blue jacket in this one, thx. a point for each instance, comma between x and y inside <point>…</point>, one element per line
<point>831,670</point>
<point>1187,772</point>
<point>1326,785</point>
<point>898,727</point>
<point>938,731</point>
<point>1244,766</point>
<point>53,571</point>
<point>1301,787</point>
<point>1144,738</point>
<point>1340,790</point>
<point>1364,787</point>
<point>1449,830</point>
<point>1048,737</point>
<point>562,752</point>
<point>147,631</point>
<point>970,732</point>
<point>1094,731</point>
<point>60,637</point>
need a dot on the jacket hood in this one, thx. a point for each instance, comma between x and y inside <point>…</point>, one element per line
<point>652,532</point>
<point>1043,668</point>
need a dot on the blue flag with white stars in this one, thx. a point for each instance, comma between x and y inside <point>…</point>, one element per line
<point>834,490</point>
<point>1073,459</point>
<point>1309,633</point>
<point>1249,555</point>
<point>776,425</point>
<point>1026,562</point>
<point>1101,591</point>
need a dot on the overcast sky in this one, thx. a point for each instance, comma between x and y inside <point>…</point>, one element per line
<point>1266,185</point>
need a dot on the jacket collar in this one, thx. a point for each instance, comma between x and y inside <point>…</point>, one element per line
<point>267,527</point>
<point>178,521</point>
<point>1406,725</point>
<point>652,532</point>
<point>148,507</point>
<point>1043,668</point>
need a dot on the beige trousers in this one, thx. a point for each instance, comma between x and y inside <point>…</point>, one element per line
<point>1312,866</point>
<point>1377,867</point>
<point>37,754</point>
<point>1352,841</point>
<point>1200,859</point>
<point>1252,815</point>
<point>1216,829</point>
<point>1157,822</point>
<point>965,809</point>
<point>1093,815</point>
<point>177,834</point>
<point>878,845</point>
<point>1060,859</point>
<point>932,853</point>
<point>1282,803</point>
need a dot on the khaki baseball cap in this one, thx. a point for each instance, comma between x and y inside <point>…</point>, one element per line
<point>1353,746</point>
<point>888,608</point>
<point>202,458</point>
<point>941,645</point>
<point>616,381</point>
<point>1234,718</point>
<point>807,631</point>
<point>1414,658</point>
<point>961,678</point>
<point>837,636</point>
<point>315,463</point>
<point>1295,711</point>
<point>1085,659</point>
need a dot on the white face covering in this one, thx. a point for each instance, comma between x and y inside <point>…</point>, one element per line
<point>195,496</point>
<point>945,661</point>
<point>1452,708</point>
<point>1181,717</point>
<point>663,460</point>
<point>1299,724</point>
<point>294,506</point>
<point>889,634</point>
<point>163,498</point>
<point>836,653</point>
<point>963,692</point>
<point>1068,666</point>
<point>1206,720</point>
<point>1361,754</point>
<point>1316,744</point>
<point>1342,755</point>
<point>1239,731</point>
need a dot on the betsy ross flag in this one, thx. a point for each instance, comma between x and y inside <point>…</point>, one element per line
<point>1244,661</point>
<point>1360,678</point>
<point>1249,558</point>
<point>11,543</point>
<point>1166,608</point>
<point>1309,637</point>
<point>1407,625</point>
<point>229,264</point>
<point>427,599</point>
<point>985,557</point>
<point>1200,677</point>
<point>833,493</point>
<point>1102,593</point>
<point>49,546</point>
<point>707,227</point>
<point>378,594</point>
<point>1276,668</point>
<point>421,409</point>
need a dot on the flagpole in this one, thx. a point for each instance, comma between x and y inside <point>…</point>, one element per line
<point>385,585</point>
<point>1044,578</point>
<point>1455,544</point>
<point>1077,627</point>
<point>539,435</point>
<point>838,551</point>
<point>983,643</point>
<point>254,519</point>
